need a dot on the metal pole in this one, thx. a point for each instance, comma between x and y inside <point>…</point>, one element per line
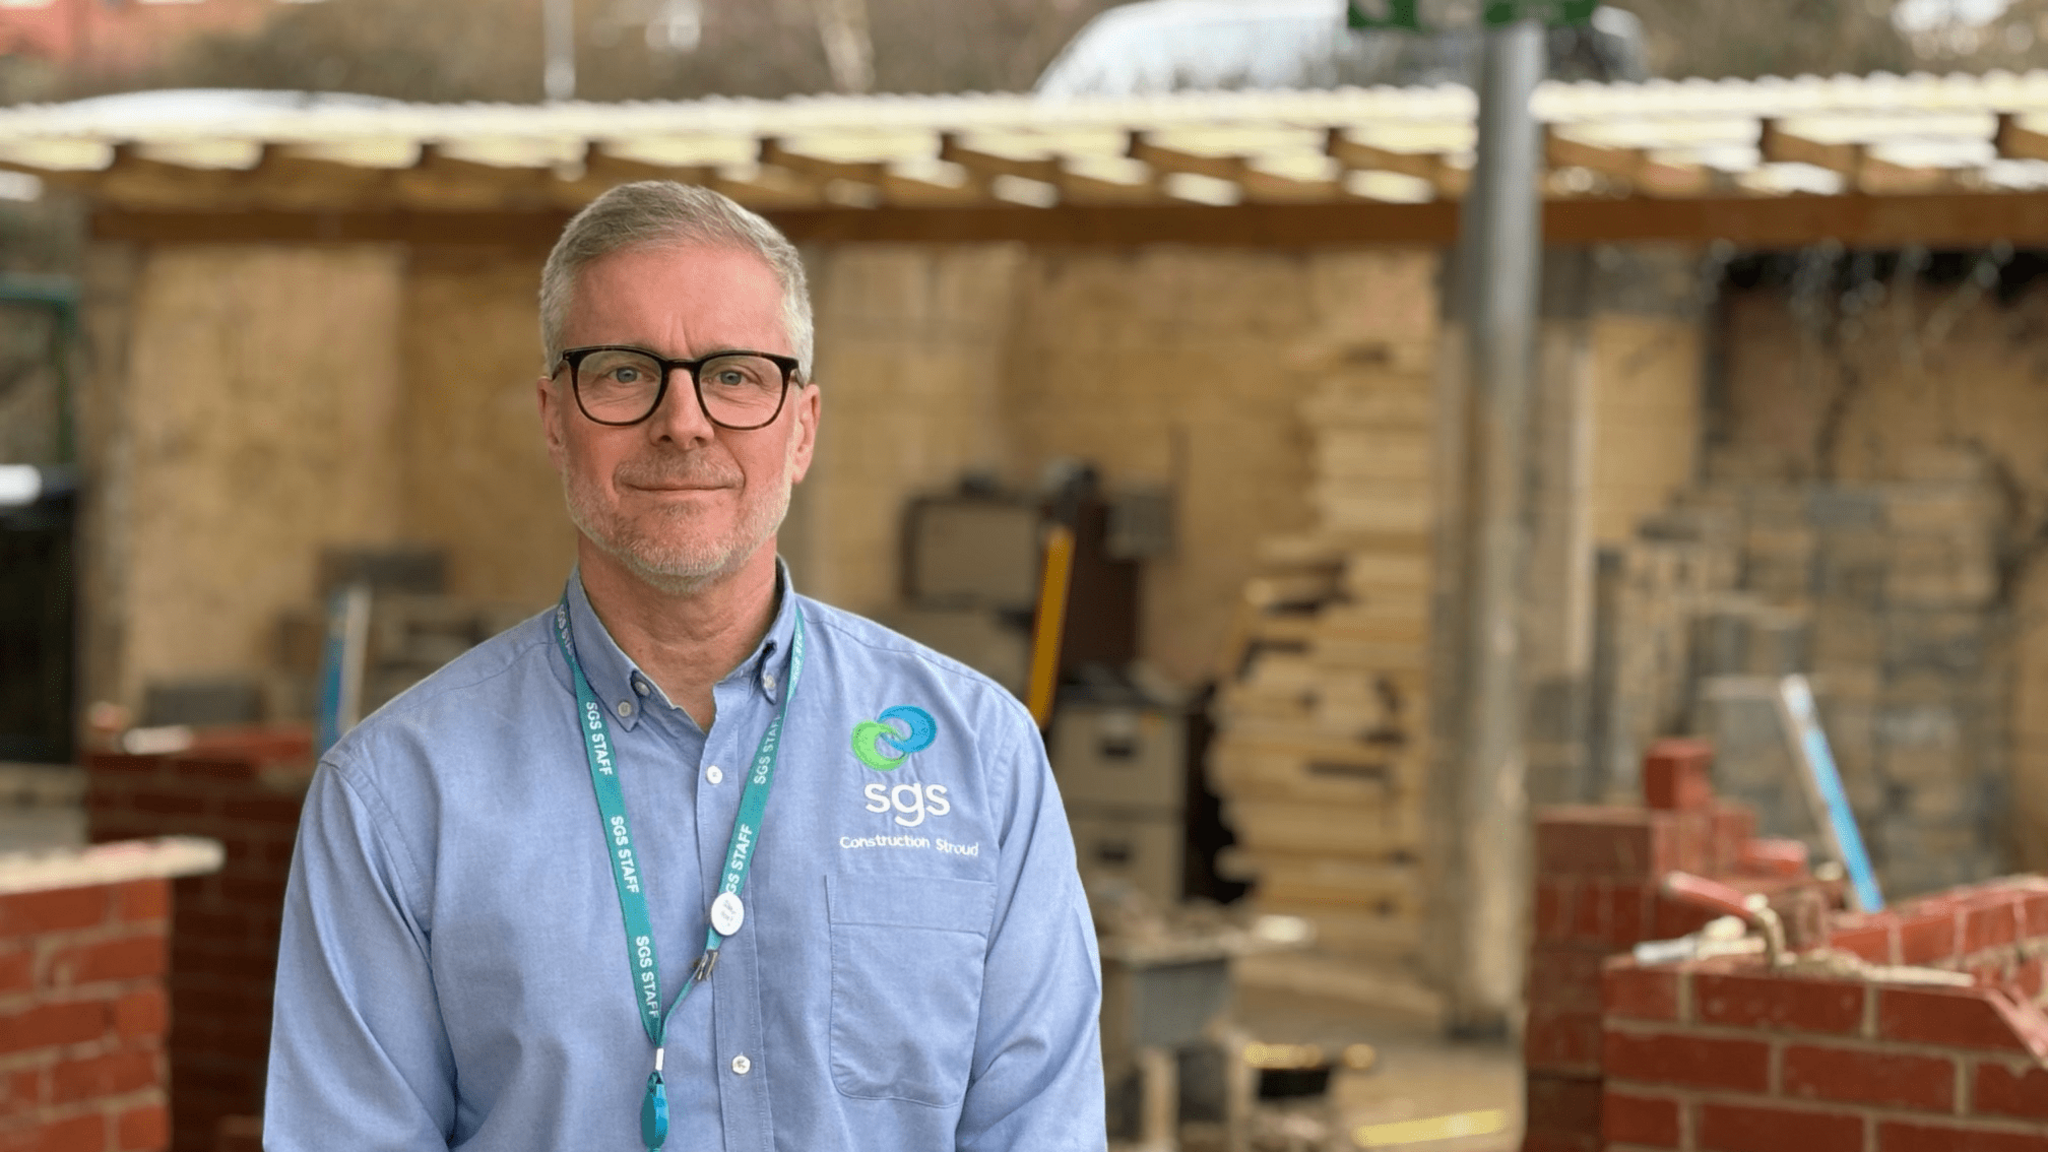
<point>1501,234</point>
<point>559,31</point>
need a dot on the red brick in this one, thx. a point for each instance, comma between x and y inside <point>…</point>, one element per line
<point>1633,993</point>
<point>143,900</point>
<point>1674,918</point>
<point>1554,909</point>
<point>143,1129</point>
<point>2027,978</point>
<point>1960,1017</point>
<point>2034,915</point>
<point>1928,937</point>
<point>1778,1002</point>
<point>1872,940</point>
<point>1585,840</point>
<point>1569,1105</point>
<point>1692,836</point>
<point>2001,1091</point>
<point>17,971</point>
<point>1628,914</point>
<point>86,1133</point>
<point>1562,1041</point>
<point>1589,914</point>
<point>131,957</point>
<point>280,810</point>
<point>169,803</point>
<point>21,1092</point>
<point>1677,775</point>
<point>1650,1121</point>
<point>142,1014</point>
<point>239,1134</point>
<point>1564,979</point>
<point>1870,1077</point>
<point>1783,858</point>
<point>1994,924</point>
<point>50,1025</point>
<point>1558,1142</point>
<point>112,1074</point>
<point>1900,1136</point>
<point>1688,1061</point>
<point>1733,826</point>
<point>54,910</point>
<point>122,764</point>
<point>1738,1128</point>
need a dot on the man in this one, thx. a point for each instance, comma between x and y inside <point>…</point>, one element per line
<point>690,861</point>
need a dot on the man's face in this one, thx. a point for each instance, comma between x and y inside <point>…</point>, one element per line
<point>675,499</point>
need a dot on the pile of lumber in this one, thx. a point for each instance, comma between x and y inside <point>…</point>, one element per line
<point>1322,716</point>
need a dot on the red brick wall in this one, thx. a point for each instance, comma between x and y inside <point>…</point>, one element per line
<point>1725,1055</point>
<point>244,790</point>
<point>1597,876</point>
<point>82,1018</point>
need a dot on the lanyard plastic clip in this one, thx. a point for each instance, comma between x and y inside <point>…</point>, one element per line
<point>704,966</point>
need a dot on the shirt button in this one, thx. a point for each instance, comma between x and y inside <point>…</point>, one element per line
<point>768,681</point>
<point>640,686</point>
<point>741,1065</point>
<point>714,775</point>
<point>625,708</point>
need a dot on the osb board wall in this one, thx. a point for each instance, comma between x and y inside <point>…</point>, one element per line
<point>366,396</point>
<point>264,392</point>
<point>1646,417</point>
<point>910,343</point>
<point>477,478</point>
<point>1183,366</point>
<point>1930,383</point>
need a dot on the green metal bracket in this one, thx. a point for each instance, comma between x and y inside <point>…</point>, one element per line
<point>1556,13</point>
<point>60,295</point>
<point>1406,15</point>
<point>1401,14</point>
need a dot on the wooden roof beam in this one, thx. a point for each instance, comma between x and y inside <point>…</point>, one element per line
<point>1860,171</point>
<point>2017,143</point>
<point>442,182</point>
<point>1631,166</point>
<point>889,185</point>
<point>1437,170</point>
<point>1161,159</point>
<point>988,164</point>
<point>136,181</point>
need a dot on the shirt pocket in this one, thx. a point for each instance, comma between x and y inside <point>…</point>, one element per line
<point>907,956</point>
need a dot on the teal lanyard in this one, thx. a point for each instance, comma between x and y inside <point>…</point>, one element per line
<point>726,911</point>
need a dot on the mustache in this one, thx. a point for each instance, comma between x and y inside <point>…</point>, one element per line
<point>675,474</point>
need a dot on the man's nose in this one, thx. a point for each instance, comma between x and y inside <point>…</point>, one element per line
<point>679,416</point>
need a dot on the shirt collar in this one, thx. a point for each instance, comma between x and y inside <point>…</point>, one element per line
<point>626,692</point>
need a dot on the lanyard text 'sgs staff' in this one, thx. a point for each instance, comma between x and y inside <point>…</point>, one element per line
<point>726,911</point>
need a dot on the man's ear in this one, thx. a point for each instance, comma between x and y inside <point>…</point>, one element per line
<point>808,406</point>
<point>550,418</point>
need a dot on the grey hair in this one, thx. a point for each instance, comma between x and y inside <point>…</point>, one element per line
<point>651,213</point>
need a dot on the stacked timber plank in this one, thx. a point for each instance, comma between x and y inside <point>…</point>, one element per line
<point>1322,718</point>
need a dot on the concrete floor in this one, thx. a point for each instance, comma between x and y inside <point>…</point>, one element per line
<point>1419,1074</point>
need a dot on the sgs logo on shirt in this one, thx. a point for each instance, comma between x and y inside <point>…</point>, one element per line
<point>881,746</point>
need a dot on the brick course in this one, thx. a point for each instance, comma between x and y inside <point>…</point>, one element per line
<point>1725,1055</point>
<point>243,788</point>
<point>1598,870</point>
<point>82,1023</point>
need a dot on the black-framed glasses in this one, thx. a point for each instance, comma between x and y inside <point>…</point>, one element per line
<point>618,384</point>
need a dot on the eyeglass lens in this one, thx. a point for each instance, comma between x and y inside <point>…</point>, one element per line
<point>622,387</point>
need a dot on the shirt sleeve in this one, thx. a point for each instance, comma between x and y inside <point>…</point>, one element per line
<point>1036,1082</point>
<point>358,1056</point>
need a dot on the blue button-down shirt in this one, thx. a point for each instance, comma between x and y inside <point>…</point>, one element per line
<point>916,971</point>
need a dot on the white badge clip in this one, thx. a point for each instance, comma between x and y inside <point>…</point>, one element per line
<point>727,913</point>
